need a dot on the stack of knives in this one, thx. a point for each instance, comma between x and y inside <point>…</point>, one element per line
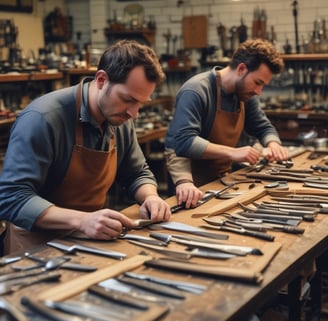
<point>130,296</point>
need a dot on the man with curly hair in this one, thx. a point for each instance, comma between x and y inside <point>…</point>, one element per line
<point>212,110</point>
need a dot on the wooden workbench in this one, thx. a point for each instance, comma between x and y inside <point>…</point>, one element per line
<point>224,299</point>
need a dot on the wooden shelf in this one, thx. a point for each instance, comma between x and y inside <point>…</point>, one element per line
<point>306,57</point>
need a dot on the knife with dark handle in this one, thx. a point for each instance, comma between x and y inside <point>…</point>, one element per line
<point>12,310</point>
<point>15,285</point>
<point>86,310</point>
<point>241,230</point>
<point>21,274</point>
<point>52,314</point>
<point>117,297</point>
<point>181,285</point>
<point>149,286</point>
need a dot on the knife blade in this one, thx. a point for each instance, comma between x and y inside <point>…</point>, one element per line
<point>241,230</point>
<point>88,249</point>
<point>124,289</point>
<point>176,226</point>
<point>117,297</point>
<point>141,238</point>
<point>186,255</point>
<point>52,314</point>
<point>151,287</point>
<point>181,285</point>
<point>87,310</point>
<point>7,260</point>
<point>226,248</point>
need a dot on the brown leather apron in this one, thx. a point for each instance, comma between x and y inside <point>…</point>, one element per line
<point>226,130</point>
<point>89,176</point>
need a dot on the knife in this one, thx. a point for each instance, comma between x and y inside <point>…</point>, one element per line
<point>7,260</point>
<point>93,250</point>
<point>12,310</point>
<point>128,291</point>
<point>181,285</point>
<point>87,310</point>
<point>186,255</point>
<point>151,287</point>
<point>240,230</point>
<point>226,248</point>
<point>117,297</point>
<point>15,285</point>
<point>52,314</point>
<point>176,226</point>
<point>143,239</point>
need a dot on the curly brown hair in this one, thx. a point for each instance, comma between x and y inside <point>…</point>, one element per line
<point>255,52</point>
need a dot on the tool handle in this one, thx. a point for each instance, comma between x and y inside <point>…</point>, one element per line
<point>177,208</point>
<point>260,235</point>
<point>292,229</point>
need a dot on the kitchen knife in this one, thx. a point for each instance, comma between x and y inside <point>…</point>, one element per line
<point>226,248</point>
<point>88,249</point>
<point>176,226</point>
<point>186,255</point>
<point>117,297</point>
<point>151,287</point>
<point>52,314</point>
<point>7,260</point>
<point>181,285</point>
<point>87,310</point>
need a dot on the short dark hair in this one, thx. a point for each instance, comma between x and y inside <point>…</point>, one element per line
<point>119,59</point>
<point>255,52</point>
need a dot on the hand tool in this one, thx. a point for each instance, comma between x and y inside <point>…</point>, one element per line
<point>207,196</point>
<point>281,185</point>
<point>260,225</point>
<point>77,285</point>
<point>152,287</point>
<point>117,297</point>
<point>115,287</point>
<point>16,284</point>
<point>226,248</point>
<point>86,310</point>
<point>56,262</point>
<point>176,226</point>
<point>93,250</point>
<point>307,212</point>
<point>186,255</point>
<point>251,274</point>
<point>52,314</point>
<point>152,313</point>
<point>21,274</point>
<point>140,238</point>
<point>7,260</point>
<point>230,226</point>
<point>272,218</point>
<point>12,310</point>
<point>181,285</point>
<point>316,185</point>
<point>318,207</point>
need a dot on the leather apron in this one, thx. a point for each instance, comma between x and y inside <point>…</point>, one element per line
<point>89,176</point>
<point>226,130</point>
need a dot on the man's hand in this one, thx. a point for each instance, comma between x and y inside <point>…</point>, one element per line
<point>104,224</point>
<point>275,152</point>
<point>245,154</point>
<point>189,194</point>
<point>155,208</point>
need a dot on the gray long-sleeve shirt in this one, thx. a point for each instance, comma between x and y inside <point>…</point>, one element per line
<point>40,148</point>
<point>195,108</point>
